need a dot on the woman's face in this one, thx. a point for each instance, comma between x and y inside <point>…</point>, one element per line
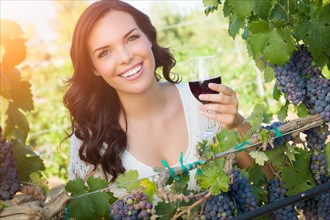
<point>121,53</point>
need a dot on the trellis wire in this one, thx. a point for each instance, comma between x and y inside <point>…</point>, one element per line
<point>260,211</point>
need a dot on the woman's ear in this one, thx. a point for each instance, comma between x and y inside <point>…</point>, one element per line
<point>96,73</point>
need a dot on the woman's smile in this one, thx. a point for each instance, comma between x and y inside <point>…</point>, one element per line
<point>133,73</point>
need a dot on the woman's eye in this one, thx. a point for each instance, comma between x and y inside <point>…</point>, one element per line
<point>133,37</point>
<point>104,53</point>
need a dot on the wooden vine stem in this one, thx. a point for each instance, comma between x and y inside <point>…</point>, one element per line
<point>293,127</point>
<point>54,204</point>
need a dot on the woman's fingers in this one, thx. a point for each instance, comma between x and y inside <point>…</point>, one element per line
<point>219,109</point>
<point>226,95</point>
<point>222,89</point>
<point>219,98</point>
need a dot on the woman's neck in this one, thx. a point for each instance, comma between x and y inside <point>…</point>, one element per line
<point>147,104</point>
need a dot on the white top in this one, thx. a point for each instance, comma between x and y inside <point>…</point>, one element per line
<point>195,124</point>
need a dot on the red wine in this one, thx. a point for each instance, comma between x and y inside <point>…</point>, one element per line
<point>201,87</point>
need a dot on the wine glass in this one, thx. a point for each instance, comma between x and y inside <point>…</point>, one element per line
<point>204,70</point>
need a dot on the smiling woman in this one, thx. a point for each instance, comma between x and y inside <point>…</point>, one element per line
<point>123,116</point>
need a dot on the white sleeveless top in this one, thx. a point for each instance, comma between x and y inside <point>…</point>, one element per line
<point>195,125</point>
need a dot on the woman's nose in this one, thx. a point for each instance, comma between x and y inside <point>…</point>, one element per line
<point>125,55</point>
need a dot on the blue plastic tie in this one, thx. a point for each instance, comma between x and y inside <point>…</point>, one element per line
<point>240,147</point>
<point>172,171</point>
<point>67,212</point>
<point>277,132</point>
<point>184,168</point>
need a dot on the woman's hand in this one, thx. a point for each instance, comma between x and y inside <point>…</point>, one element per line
<point>223,107</point>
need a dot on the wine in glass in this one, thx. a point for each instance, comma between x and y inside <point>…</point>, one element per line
<point>204,70</point>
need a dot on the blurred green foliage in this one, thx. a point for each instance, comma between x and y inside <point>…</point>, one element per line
<point>187,35</point>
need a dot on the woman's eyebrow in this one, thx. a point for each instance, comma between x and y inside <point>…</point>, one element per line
<point>106,46</point>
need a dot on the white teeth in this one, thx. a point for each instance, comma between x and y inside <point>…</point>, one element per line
<point>131,72</point>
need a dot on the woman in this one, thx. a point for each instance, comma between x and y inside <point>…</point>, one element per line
<point>122,116</point>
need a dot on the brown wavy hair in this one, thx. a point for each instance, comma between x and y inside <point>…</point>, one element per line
<point>93,104</point>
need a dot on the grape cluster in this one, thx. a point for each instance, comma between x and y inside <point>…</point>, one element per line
<point>219,207</point>
<point>289,76</point>
<point>241,190</point>
<point>277,191</point>
<point>316,138</point>
<point>318,96</point>
<point>279,141</point>
<point>134,206</point>
<point>9,182</point>
<point>317,207</point>
<point>302,82</point>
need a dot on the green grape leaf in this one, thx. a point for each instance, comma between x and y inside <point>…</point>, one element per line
<point>262,8</point>
<point>301,110</point>
<point>210,3</point>
<point>259,157</point>
<point>235,24</point>
<point>100,200</point>
<point>16,125</point>
<point>165,210</point>
<point>276,157</point>
<point>87,202</point>
<point>256,118</point>
<point>276,92</point>
<point>76,187</point>
<point>255,174</point>
<point>26,163</point>
<point>96,183</point>
<point>275,44</point>
<point>5,86</point>
<point>37,179</point>
<point>290,152</point>
<point>268,74</point>
<point>150,189</point>
<point>82,208</point>
<point>283,112</point>
<point>215,179</point>
<point>298,177</point>
<point>242,9</point>
<point>227,9</point>
<point>227,139</point>
<point>314,30</point>
<point>278,13</point>
<point>22,97</point>
<point>210,6</point>
<point>129,180</point>
<point>264,135</point>
<point>327,156</point>
<point>181,183</point>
